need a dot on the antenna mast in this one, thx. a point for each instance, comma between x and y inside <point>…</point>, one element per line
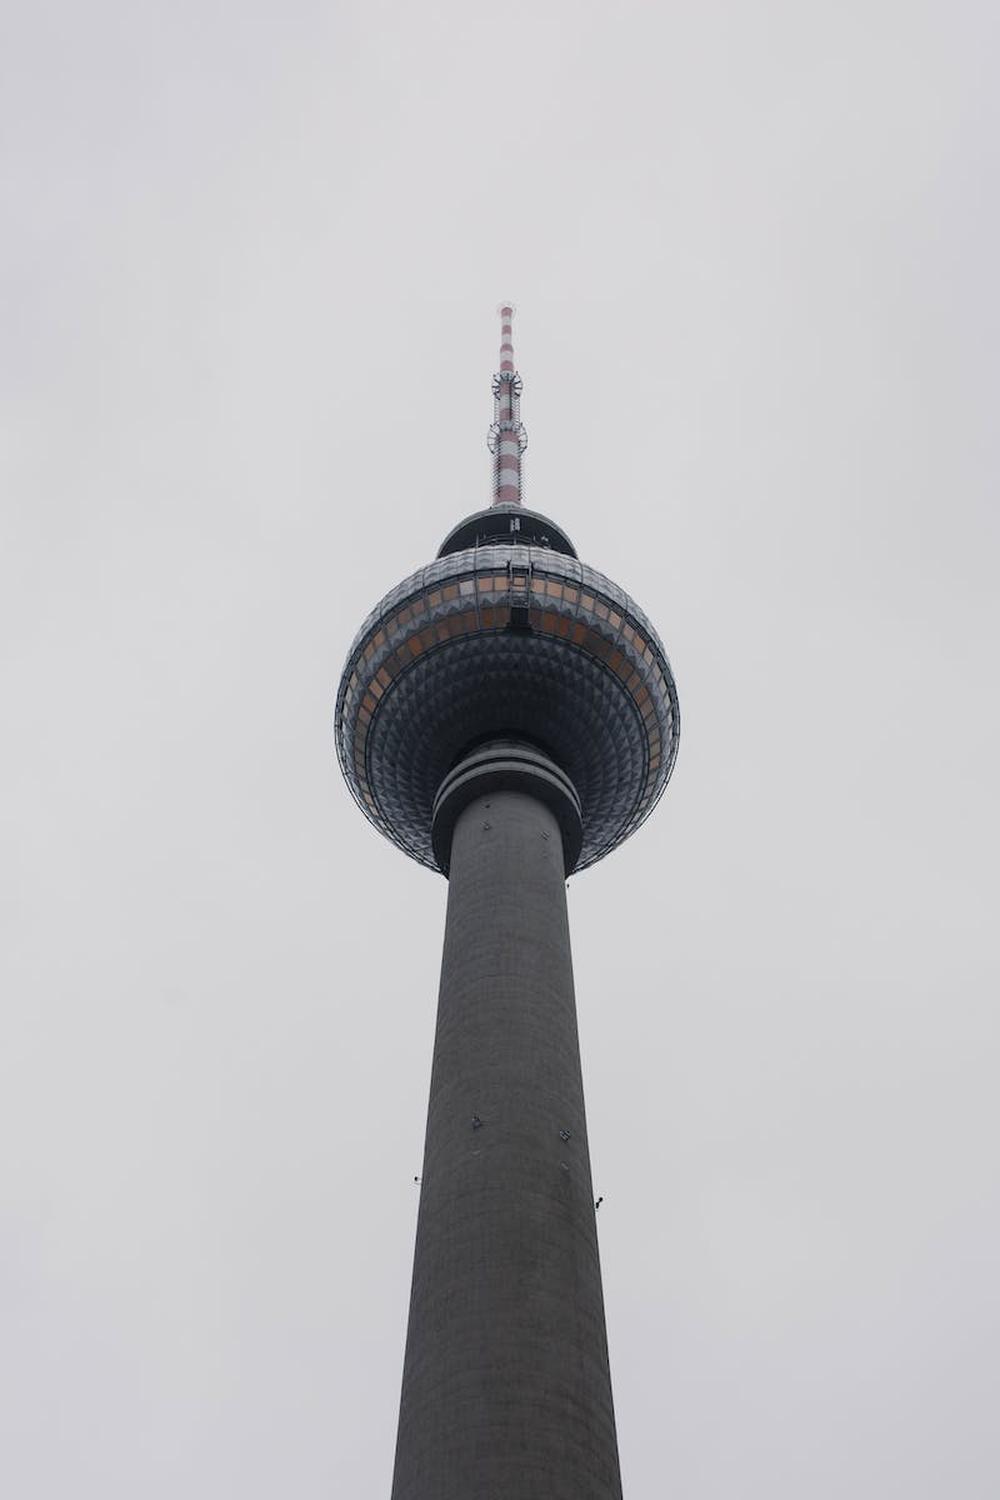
<point>507,438</point>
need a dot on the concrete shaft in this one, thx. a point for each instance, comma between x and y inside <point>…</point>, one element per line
<point>506,1388</point>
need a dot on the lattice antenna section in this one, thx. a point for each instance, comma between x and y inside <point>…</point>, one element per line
<point>507,438</point>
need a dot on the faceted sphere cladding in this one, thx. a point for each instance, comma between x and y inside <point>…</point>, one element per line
<point>507,641</point>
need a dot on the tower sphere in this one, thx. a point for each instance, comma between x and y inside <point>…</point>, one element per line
<point>507,636</point>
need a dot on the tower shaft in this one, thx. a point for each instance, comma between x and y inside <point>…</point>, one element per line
<point>506,1387</point>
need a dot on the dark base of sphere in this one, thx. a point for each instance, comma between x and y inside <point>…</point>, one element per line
<point>508,684</point>
<point>506,1386</point>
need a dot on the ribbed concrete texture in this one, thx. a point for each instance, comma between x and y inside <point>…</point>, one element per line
<point>506,1390</point>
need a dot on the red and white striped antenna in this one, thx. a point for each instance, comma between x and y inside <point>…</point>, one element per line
<point>507,438</point>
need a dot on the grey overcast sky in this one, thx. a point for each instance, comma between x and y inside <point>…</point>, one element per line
<point>251,258</point>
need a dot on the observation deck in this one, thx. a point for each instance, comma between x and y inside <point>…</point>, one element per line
<point>507,635</point>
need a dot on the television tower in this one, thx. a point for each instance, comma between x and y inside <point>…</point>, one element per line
<point>507,715</point>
